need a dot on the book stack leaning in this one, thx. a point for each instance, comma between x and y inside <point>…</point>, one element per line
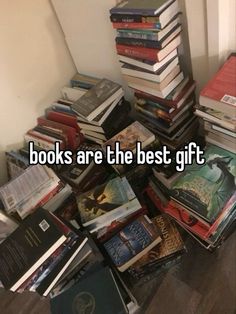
<point>147,42</point>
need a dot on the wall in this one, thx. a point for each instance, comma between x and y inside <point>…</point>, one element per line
<point>35,63</point>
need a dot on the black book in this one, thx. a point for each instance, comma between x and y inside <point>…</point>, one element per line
<point>28,247</point>
<point>97,293</point>
<point>117,120</point>
<point>95,100</point>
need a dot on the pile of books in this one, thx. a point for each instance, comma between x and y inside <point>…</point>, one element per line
<point>203,199</point>
<point>148,37</point>
<point>218,107</point>
<point>99,107</point>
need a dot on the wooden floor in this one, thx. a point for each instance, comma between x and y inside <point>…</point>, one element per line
<point>203,283</point>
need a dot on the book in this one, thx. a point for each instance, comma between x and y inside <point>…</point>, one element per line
<point>83,81</point>
<point>218,130</point>
<point>128,137</point>
<point>36,238</point>
<point>117,120</point>
<point>16,163</point>
<point>34,187</point>
<point>161,94</point>
<point>206,189</point>
<point>158,86</point>
<point>7,226</point>
<point>97,99</point>
<point>170,247</point>
<point>144,8</point>
<point>91,293</point>
<point>157,76</point>
<point>103,204</point>
<point>153,55</point>
<point>218,117</point>
<point>220,92</point>
<point>221,142</point>
<point>147,64</point>
<point>132,242</point>
<point>72,94</point>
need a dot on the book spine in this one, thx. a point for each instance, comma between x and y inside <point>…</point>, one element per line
<point>137,35</point>
<point>43,144</point>
<point>125,18</point>
<point>140,53</point>
<point>136,25</point>
<point>138,43</point>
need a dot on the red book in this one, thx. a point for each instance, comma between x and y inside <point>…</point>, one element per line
<point>149,53</point>
<point>73,139</point>
<point>220,91</point>
<point>61,117</point>
<point>136,25</point>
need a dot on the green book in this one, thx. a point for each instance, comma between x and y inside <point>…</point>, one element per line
<point>205,189</point>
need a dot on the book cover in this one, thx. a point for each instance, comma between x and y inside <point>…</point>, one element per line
<point>104,199</point>
<point>205,189</point>
<point>222,87</point>
<point>171,245</point>
<point>125,247</point>
<point>97,293</point>
<point>128,137</point>
<point>28,247</point>
<point>92,100</point>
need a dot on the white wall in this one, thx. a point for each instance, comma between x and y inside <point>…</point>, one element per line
<point>34,65</point>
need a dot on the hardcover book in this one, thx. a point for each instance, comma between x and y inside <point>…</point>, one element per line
<point>97,293</point>
<point>95,100</point>
<point>28,247</point>
<point>206,189</point>
<point>170,246</point>
<point>107,202</point>
<point>132,242</point>
<point>220,92</point>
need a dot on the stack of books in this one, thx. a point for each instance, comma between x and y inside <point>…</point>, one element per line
<point>218,107</point>
<point>43,253</point>
<point>203,199</point>
<point>148,37</point>
<point>100,112</point>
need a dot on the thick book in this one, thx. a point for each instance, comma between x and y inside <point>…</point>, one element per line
<point>97,99</point>
<point>132,242</point>
<point>216,116</point>
<point>106,203</point>
<point>132,134</point>
<point>160,94</point>
<point>157,76</point>
<point>220,91</point>
<point>83,81</point>
<point>140,7</point>
<point>154,55</point>
<point>28,247</point>
<point>97,293</point>
<point>158,86</point>
<point>146,64</point>
<point>170,247</point>
<point>16,163</point>
<point>206,189</point>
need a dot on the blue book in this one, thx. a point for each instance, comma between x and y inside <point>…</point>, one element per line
<point>132,242</point>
